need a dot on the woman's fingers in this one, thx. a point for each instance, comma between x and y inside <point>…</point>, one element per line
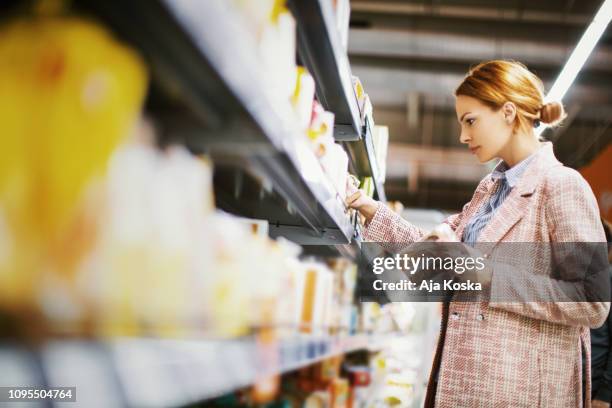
<point>445,233</point>
<point>351,200</point>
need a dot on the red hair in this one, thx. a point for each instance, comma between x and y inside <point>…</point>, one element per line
<point>499,81</point>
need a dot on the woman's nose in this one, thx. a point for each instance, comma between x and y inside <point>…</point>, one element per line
<point>464,137</point>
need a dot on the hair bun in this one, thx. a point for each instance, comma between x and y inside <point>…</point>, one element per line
<point>552,113</point>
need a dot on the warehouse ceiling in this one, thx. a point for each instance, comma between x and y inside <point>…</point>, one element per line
<point>411,55</point>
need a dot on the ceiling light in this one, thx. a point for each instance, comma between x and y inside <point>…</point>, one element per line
<point>579,56</point>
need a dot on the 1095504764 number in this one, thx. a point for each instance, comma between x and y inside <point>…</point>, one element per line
<point>14,394</point>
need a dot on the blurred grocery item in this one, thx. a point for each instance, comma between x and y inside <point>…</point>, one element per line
<point>380,140</point>
<point>331,155</point>
<point>69,94</point>
<point>367,185</point>
<point>370,311</point>
<point>367,112</point>
<point>317,283</point>
<point>277,50</point>
<point>363,101</point>
<point>339,390</point>
<point>303,97</point>
<point>321,130</point>
<point>342,10</point>
<point>398,390</point>
<point>153,244</point>
<point>335,163</point>
<point>359,93</point>
<point>318,399</point>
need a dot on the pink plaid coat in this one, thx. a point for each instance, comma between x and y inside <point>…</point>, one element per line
<point>515,354</point>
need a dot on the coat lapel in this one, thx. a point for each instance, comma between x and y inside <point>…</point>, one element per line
<point>506,216</point>
<point>517,203</point>
<point>481,196</point>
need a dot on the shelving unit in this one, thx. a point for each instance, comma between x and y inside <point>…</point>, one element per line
<point>374,171</point>
<point>158,372</point>
<point>205,98</point>
<point>320,50</point>
<point>203,95</point>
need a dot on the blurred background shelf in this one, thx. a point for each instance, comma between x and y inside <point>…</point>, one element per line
<point>149,372</point>
<point>203,96</point>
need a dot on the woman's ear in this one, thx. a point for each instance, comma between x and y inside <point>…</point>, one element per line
<point>509,111</point>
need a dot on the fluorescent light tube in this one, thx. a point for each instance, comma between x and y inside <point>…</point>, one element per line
<point>579,56</point>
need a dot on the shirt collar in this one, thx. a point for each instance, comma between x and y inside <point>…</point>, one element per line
<point>513,174</point>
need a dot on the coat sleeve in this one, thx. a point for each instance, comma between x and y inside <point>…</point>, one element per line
<point>572,216</point>
<point>388,227</point>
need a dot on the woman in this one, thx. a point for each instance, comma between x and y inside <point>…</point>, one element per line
<point>521,354</point>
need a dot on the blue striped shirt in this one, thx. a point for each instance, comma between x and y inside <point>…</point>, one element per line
<point>505,179</point>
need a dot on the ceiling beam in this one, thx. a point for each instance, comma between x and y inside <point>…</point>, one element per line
<point>472,12</point>
<point>444,51</point>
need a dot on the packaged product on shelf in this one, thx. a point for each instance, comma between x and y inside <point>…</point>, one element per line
<point>339,393</point>
<point>398,389</point>
<point>367,113</point>
<point>403,313</point>
<point>370,312</point>
<point>343,14</point>
<point>69,94</point>
<point>385,322</point>
<point>363,102</point>
<point>332,156</point>
<point>247,291</point>
<point>267,384</point>
<point>317,283</point>
<point>346,275</point>
<point>257,227</point>
<point>145,274</point>
<point>380,139</point>
<point>258,14</point>
<point>321,129</point>
<point>359,93</point>
<point>268,305</point>
<point>359,375</point>
<point>287,318</point>
<point>277,50</point>
<point>355,324</point>
<point>171,265</point>
<point>360,380</point>
<point>303,97</point>
<point>318,399</point>
<point>330,368</point>
<point>335,163</point>
<point>367,185</point>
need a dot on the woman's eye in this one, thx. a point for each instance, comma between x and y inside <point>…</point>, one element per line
<point>470,121</point>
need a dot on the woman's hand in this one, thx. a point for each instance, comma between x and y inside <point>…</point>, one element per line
<point>599,404</point>
<point>441,233</point>
<point>360,201</point>
<point>475,275</point>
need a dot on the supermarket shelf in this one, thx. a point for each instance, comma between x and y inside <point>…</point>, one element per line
<point>203,82</point>
<point>364,161</point>
<point>369,145</point>
<point>149,372</point>
<point>320,49</point>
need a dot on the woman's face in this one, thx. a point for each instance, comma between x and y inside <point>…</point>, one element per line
<point>485,131</point>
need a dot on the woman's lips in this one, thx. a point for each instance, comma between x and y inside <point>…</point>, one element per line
<point>474,149</point>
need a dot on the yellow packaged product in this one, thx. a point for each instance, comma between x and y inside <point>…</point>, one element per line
<point>69,93</point>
